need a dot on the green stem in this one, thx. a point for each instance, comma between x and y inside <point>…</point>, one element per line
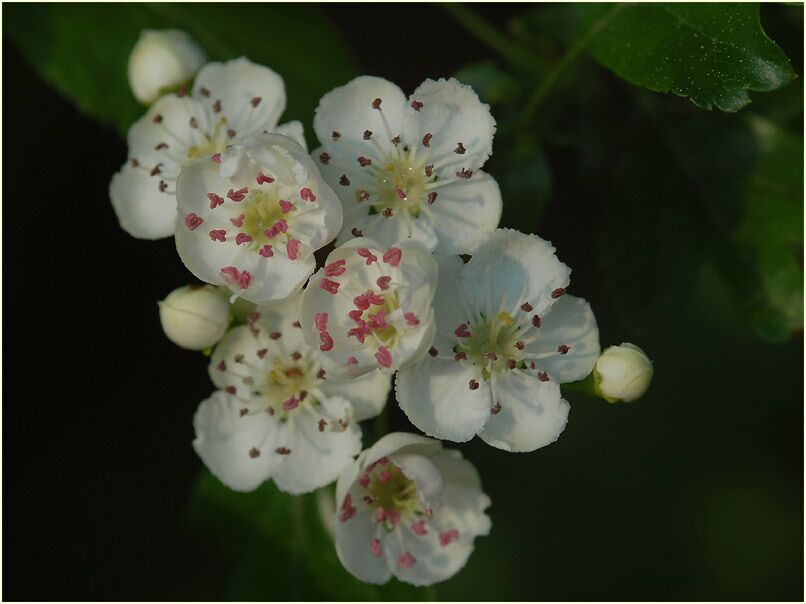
<point>551,79</point>
<point>489,35</point>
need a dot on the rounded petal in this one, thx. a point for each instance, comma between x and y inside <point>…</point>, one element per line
<point>532,413</point>
<point>367,393</point>
<point>354,548</point>
<point>448,310</point>
<point>464,211</point>
<point>142,209</point>
<point>348,111</point>
<point>515,267</point>
<point>293,130</point>
<point>421,470</point>
<point>389,231</point>
<point>165,135</point>
<point>436,397</point>
<point>251,96</point>
<point>569,322</point>
<point>311,458</point>
<point>224,440</point>
<point>452,113</point>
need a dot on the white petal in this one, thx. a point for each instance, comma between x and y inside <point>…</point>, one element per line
<point>453,114</point>
<point>532,413</point>
<point>399,442</point>
<point>463,502</point>
<point>422,471</point>
<point>348,111</point>
<point>448,308</point>
<point>436,397</point>
<point>389,231</point>
<point>236,84</point>
<point>142,209</point>
<point>513,267</point>
<point>224,440</point>
<point>353,547</point>
<point>367,393</point>
<point>464,211</point>
<point>237,341</point>
<point>432,562</point>
<point>316,458</point>
<point>293,130</point>
<point>165,134</point>
<point>569,322</point>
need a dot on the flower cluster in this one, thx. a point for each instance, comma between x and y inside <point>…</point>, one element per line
<point>474,323</point>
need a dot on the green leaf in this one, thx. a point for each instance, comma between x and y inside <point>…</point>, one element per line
<point>712,53</point>
<point>83,49</point>
<point>769,236</point>
<point>278,547</point>
<point>726,191</point>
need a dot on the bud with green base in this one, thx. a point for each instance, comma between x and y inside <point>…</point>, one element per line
<point>161,61</point>
<point>622,373</point>
<point>195,317</point>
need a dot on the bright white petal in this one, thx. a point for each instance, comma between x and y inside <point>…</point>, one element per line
<point>448,308</point>
<point>367,393</point>
<point>251,96</point>
<point>421,470</point>
<point>513,267</point>
<point>142,209</point>
<point>224,440</point>
<point>453,114</point>
<point>166,133</point>
<point>569,322</point>
<point>293,130</point>
<point>435,395</point>
<point>314,458</point>
<point>399,442</point>
<point>463,502</point>
<point>348,110</point>
<point>353,547</point>
<point>532,413</point>
<point>464,211</point>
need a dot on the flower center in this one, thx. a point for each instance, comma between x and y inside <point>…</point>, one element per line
<point>263,216</point>
<point>492,344</point>
<point>215,143</point>
<point>401,185</point>
<point>288,384</point>
<point>390,493</point>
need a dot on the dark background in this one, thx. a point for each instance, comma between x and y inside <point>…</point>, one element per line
<point>695,492</point>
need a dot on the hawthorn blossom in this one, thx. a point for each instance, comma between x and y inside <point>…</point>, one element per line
<point>409,168</point>
<point>370,307</point>
<point>408,508</point>
<point>229,102</point>
<point>252,217</point>
<point>278,415</point>
<point>507,336</point>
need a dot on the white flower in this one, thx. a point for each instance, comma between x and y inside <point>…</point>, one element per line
<point>252,217</point>
<point>370,307</point>
<point>507,337</point>
<point>623,373</point>
<point>229,102</point>
<point>278,415</point>
<point>162,60</point>
<point>194,317</point>
<point>409,509</point>
<point>409,168</point>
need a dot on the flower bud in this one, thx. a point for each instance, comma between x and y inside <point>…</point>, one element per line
<point>194,317</point>
<point>162,60</point>
<point>622,373</point>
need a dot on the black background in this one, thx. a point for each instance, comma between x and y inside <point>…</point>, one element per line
<point>98,403</point>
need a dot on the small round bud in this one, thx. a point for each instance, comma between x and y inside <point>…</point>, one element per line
<point>622,373</point>
<point>194,317</point>
<point>162,60</point>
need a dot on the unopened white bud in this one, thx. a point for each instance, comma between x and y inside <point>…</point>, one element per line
<point>162,60</point>
<point>194,317</point>
<point>622,373</point>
